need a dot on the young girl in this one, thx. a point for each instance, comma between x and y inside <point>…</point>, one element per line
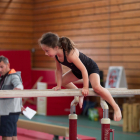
<point>64,52</point>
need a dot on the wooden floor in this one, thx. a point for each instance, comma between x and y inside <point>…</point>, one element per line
<point>85,127</point>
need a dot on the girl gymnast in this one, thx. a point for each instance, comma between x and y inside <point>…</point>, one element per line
<point>63,50</point>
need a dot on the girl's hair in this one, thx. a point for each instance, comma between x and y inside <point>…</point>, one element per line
<point>52,40</point>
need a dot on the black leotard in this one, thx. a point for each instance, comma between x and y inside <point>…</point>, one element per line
<point>90,65</point>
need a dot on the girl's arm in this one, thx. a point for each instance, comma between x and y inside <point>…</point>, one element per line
<point>73,58</point>
<point>58,74</point>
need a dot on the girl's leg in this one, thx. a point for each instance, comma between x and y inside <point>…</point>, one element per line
<point>67,80</point>
<point>104,93</point>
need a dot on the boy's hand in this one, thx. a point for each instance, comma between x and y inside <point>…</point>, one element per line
<point>85,91</point>
<point>56,88</point>
<point>22,109</point>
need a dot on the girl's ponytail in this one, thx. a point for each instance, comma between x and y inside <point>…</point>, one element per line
<point>66,44</point>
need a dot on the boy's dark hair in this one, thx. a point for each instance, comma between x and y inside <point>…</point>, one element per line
<point>4,59</point>
<point>52,40</point>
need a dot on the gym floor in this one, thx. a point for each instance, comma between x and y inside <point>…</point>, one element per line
<point>85,127</point>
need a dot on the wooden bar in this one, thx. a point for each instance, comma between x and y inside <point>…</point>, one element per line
<point>64,92</point>
<point>46,128</point>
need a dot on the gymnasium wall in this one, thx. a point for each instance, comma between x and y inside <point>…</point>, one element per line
<point>105,30</point>
<point>84,21</point>
<point>124,23</point>
<point>16,24</point>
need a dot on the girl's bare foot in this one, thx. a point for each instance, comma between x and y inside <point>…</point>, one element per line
<point>117,114</point>
<point>81,99</point>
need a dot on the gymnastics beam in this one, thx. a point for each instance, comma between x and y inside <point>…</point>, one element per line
<point>46,128</point>
<point>62,92</point>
